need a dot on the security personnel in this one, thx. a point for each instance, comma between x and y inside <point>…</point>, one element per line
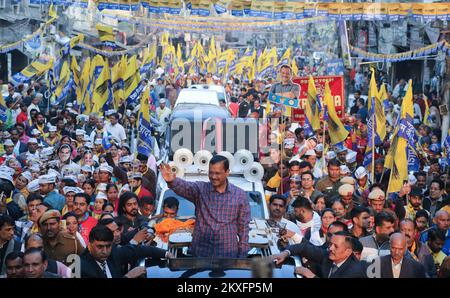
<point>58,244</point>
<point>330,184</point>
<point>377,200</point>
<point>346,192</point>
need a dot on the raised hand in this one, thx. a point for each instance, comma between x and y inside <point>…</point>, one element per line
<point>167,173</point>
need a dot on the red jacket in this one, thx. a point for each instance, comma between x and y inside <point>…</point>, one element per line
<point>86,226</point>
<point>22,118</point>
<point>144,192</point>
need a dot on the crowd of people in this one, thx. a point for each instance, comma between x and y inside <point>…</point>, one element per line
<point>76,184</point>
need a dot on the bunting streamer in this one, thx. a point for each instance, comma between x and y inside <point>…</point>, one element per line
<point>19,44</point>
<point>277,10</point>
<point>432,49</point>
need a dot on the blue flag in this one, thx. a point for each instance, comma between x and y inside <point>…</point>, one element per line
<point>106,141</point>
<point>145,144</point>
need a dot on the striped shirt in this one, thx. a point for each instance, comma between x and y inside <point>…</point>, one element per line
<point>220,219</point>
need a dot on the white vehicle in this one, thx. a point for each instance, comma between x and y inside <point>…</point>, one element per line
<point>245,174</point>
<point>218,88</point>
<point>193,96</point>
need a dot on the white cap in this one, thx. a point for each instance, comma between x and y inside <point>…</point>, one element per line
<point>32,140</point>
<point>215,78</point>
<point>125,159</point>
<point>341,149</point>
<point>101,195</point>
<point>6,175</point>
<point>319,148</point>
<point>8,142</point>
<point>351,157</point>
<point>360,172</point>
<point>35,168</point>
<point>35,132</point>
<point>80,132</point>
<point>310,152</point>
<point>98,142</point>
<point>71,177</point>
<point>293,127</point>
<point>330,155</point>
<point>27,176</point>
<point>46,151</point>
<point>69,104</point>
<point>101,187</point>
<point>87,169</point>
<point>136,175</point>
<point>33,185</point>
<point>344,170</point>
<point>68,189</point>
<point>72,169</point>
<point>46,179</point>
<point>412,179</point>
<point>52,128</point>
<point>106,168</point>
<point>7,169</point>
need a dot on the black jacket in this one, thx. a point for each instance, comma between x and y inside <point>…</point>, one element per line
<point>351,268</point>
<point>410,268</point>
<point>120,256</point>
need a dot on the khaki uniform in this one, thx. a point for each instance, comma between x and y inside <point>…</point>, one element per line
<point>66,244</point>
<point>328,187</point>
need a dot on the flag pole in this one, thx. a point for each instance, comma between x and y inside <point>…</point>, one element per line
<point>324,140</point>
<point>282,146</point>
<point>373,146</point>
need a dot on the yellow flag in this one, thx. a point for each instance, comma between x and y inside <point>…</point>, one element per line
<point>131,77</point>
<point>165,39</point>
<point>101,89</point>
<point>105,33</point>
<point>427,112</point>
<point>75,70</point>
<point>380,113</point>
<point>399,169</point>
<point>52,12</point>
<point>336,129</point>
<point>64,77</point>
<point>212,56</point>
<point>84,80</point>
<point>294,68</point>
<point>36,68</point>
<point>145,107</point>
<point>267,108</point>
<point>286,58</point>
<point>311,105</point>
<point>117,81</point>
<point>96,64</point>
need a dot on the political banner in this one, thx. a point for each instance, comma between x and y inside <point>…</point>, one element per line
<point>337,90</point>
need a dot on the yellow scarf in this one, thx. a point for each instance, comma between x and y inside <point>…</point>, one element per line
<point>275,181</point>
<point>137,191</point>
<point>41,129</point>
<point>410,212</point>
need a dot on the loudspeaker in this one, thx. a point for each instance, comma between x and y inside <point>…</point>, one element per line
<point>183,157</point>
<point>202,158</point>
<point>230,158</point>
<point>254,173</point>
<point>175,168</point>
<point>242,160</point>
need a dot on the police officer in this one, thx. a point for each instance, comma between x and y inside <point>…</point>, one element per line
<point>58,244</point>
